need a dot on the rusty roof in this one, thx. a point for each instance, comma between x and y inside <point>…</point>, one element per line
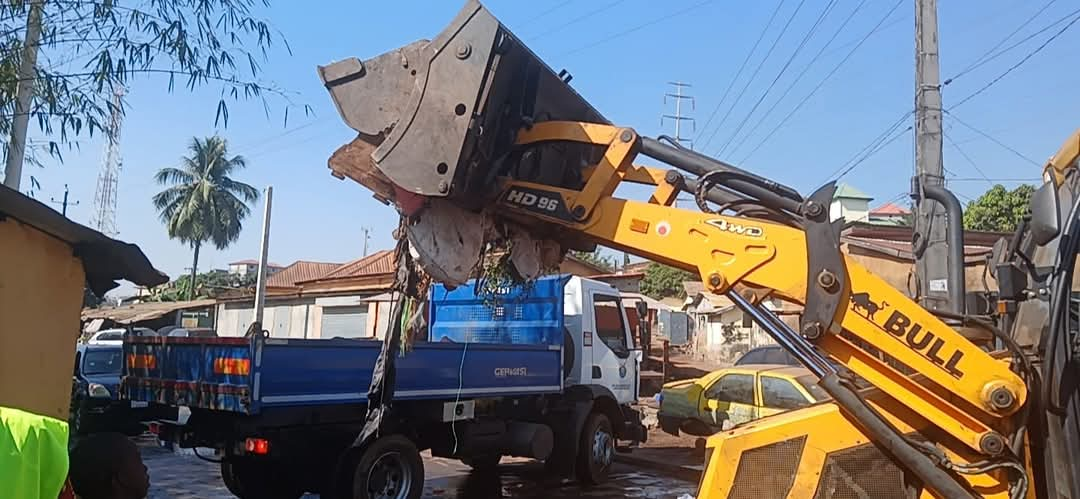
<point>300,271</point>
<point>380,262</point>
<point>131,314</point>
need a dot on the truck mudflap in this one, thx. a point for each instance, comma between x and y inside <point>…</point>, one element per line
<point>632,430</point>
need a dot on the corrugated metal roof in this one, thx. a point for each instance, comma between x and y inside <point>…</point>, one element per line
<point>848,192</point>
<point>300,271</point>
<point>130,314</point>
<point>889,209</point>
<point>380,262</point>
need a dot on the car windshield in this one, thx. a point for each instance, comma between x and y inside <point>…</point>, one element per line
<point>811,384</point>
<point>102,361</point>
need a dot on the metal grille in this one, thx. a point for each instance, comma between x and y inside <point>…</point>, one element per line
<point>862,472</point>
<point>768,471</point>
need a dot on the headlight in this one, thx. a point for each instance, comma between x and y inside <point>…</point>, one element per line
<point>99,391</point>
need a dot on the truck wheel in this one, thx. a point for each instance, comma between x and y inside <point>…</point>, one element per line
<point>596,453</point>
<point>248,480</point>
<point>389,468</point>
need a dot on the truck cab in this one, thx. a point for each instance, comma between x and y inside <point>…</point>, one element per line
<point>600,345</point>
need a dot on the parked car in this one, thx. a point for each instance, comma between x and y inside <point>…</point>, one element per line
<point>728,397</point>
<point>116,336</point>
<point>95,403</point>
<point>771,354</point>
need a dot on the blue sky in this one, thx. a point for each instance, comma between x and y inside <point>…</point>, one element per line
<point>624,72</point>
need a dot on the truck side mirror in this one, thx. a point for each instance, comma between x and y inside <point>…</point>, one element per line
<point>638,356</point>
<point>1045,214</point>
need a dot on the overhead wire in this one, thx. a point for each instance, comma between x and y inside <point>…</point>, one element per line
<point>979,60</point>
<point>874,151</point>
<point>739,72</point>
<point>757,70</point>
<point>968,158</point>
<point>992,139</point>
<point>547,11</point>
<point>783,69</point>
<point>878,139</point>
<point>1019,63</point>
<point>638,27</point>
<point>826,78</point>
<point>576,20</point>
<point>798,77</point>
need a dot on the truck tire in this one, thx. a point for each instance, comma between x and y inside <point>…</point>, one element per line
<point>257,480</point>
<point>389,468</point>
<point>596,454</point>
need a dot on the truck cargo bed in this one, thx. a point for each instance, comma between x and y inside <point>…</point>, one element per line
<point>241,375</point>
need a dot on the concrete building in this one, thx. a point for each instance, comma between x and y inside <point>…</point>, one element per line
<point>245,267</point>
<point>851,204</point>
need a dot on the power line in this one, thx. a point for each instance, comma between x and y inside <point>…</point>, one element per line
<point>992,139</point>
<point>575,20</point>
<point>545,12</point>
<point>968,158</point>
<point>637,28</point>
<point>757,70</point>
<point>1018,64</point>
<point>983,179</point>
<point>877,140</point>
<point>742,66</point>
<point>798,77</point>
<point>875,151</point>
<point>802,44</point>
<point>979,60</point>
<point>877,27</point>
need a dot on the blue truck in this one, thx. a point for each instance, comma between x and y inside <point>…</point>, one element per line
<point>546,371</point>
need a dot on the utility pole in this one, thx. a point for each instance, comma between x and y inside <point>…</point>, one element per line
<point>678,96</point>
<point>367,237</point>
<point>264,248</point>
<point>24,96</point>
<point>929,244</point>
<point>64,204</point>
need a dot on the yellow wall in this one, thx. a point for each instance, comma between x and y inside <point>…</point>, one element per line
<point>41,294</point>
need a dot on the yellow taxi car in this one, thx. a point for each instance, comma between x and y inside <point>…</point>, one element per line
<point>728,397</point>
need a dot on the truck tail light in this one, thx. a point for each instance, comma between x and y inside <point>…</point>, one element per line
<point>141,361</point>
<point>227,365</point>
<point>257,446</point>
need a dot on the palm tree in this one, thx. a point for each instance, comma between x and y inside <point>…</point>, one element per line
<point>202,203</point>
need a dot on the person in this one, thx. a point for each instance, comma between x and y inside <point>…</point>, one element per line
<point>33,454</point>
<point>108,466</point>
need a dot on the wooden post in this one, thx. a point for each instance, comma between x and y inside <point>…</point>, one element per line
<point>664,367</point>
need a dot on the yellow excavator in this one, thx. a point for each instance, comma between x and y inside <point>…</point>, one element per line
<point>472,138</point>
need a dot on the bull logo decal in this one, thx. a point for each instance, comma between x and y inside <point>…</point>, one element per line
<point>863,301</point>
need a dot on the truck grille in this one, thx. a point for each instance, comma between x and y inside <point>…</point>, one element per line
<point>862,472</point>
<point>768,471</point>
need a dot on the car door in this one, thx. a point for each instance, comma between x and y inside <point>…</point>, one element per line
<point>729,401</point>
<point>780,394</point>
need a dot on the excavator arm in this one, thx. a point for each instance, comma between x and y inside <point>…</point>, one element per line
<point>471,127</point>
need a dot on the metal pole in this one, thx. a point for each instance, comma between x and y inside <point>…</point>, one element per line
<point>24,96</point>
<point>930,244</point>
<point>260,283</point>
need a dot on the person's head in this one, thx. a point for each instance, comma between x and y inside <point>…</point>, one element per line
<point>108,466</point>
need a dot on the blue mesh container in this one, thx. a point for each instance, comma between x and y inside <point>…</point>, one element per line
<point>521,315</point>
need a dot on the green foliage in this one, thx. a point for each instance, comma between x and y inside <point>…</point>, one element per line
<point>662,281</point>
<point>998,209</point>
<point>89,48</point>
<point>595,258</point>
<point>202,203</point>
<point>207,285</point>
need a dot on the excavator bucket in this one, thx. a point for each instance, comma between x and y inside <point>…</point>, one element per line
<point>439,118</point>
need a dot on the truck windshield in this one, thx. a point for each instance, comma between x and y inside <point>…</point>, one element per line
<point>102,361</point>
